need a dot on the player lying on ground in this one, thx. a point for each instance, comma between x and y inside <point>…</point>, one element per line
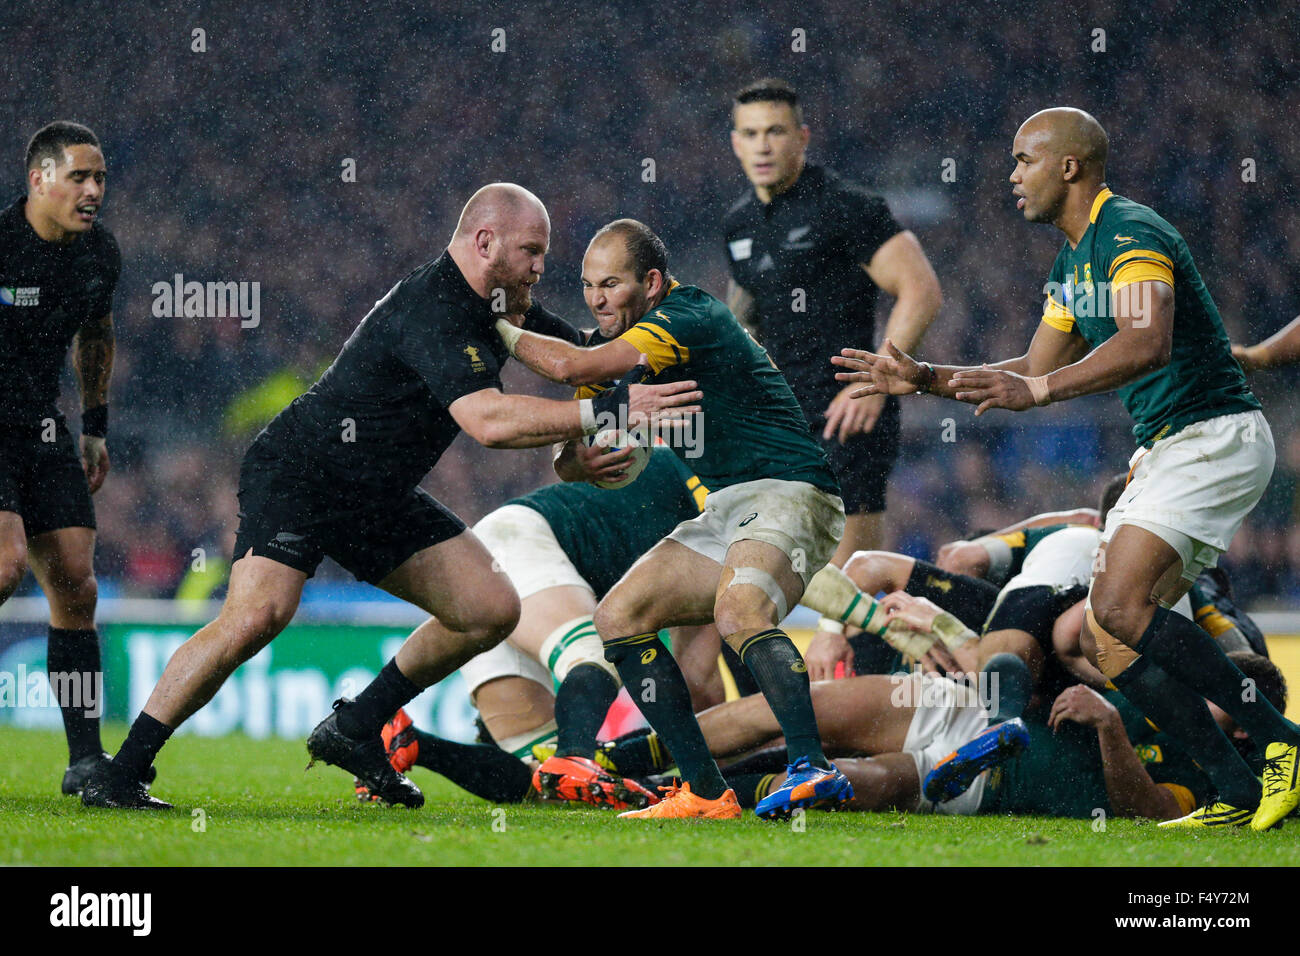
<point>949,582</point>
<point>1126,309</point>
<point>59,266</point>
<point>562,547</point>
<point>924,731</point>
<point>772,520</point>
<point>338,473</point>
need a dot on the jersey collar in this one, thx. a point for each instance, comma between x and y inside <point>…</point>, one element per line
<point>1098,202</point>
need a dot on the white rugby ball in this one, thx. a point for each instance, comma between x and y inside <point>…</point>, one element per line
<point>616,439</point>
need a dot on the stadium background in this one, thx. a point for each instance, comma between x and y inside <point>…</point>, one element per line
<point>226,165</point>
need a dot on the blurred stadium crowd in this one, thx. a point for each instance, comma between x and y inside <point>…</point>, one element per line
<point>227,165</point>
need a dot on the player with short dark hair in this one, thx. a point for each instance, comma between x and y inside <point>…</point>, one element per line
<point>809,252</point>
<point>1127,309</point>
<point>59,266</point>
<point>771,522</point>
<point>338,473</point>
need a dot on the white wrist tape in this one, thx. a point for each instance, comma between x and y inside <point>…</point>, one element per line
<point>831,625</point>
<point>1038,388</point>
<point>509,334</point>
<point>587,411</point>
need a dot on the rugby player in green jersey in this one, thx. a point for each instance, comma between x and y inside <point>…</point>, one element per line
<point>773,517</point>
<point>1127,309</point>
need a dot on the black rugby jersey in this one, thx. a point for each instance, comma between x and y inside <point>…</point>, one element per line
<point>48,291</point>
<point>378,417</point>
<point>812,237</point>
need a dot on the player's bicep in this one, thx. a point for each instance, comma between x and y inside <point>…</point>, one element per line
<point>657,343</point>
<point>1052,348</point>
<point>1148,307</point>
<point>900,263</point>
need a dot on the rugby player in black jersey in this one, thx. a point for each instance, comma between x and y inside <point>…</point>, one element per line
<point>58,269</point>
<point>338,473</point>
<point>809,251</point>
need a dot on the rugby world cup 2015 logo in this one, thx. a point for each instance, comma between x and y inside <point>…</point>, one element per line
<point>20,295</point>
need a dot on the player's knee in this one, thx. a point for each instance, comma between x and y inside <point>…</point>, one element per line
<point>875,571</point>
<point>732,617</point>
<point>1119,616</point>
<point>254,626</point>
<point>616,616</point>
<point>13,566</point>
<point>78,596</point>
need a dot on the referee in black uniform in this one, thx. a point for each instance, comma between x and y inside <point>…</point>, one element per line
<point>808,251</point>
<point>58,269</point>
<point>337,473</point>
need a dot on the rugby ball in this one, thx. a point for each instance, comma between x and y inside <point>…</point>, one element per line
<point>616,439</point>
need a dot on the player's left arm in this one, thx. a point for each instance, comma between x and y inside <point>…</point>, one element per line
<point>1130,788</point>
<point>559,361</point>
<point>92,358</point>
<point>1143,342</point>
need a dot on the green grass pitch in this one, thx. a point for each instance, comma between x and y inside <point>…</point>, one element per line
<point>260,809</point>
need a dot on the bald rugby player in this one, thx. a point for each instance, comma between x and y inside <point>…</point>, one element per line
<point>1126,309</point>
<point>337,473</point>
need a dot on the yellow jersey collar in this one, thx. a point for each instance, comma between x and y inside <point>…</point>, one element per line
<point>1098,202</point>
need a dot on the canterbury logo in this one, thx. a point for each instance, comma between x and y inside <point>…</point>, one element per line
<point>648,655</point>
<point>944,586</point>
<point>799,667</point>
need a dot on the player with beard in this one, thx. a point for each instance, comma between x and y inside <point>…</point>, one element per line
<point>58,268</point>
<point>337,473</point>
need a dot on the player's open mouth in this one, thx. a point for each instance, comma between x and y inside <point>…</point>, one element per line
<point>87,211</point>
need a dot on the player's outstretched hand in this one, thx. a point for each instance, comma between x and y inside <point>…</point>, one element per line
<point>889,372</point>
<point>94,461</point>
<point>669,403</point>
<point>1083,705</point>
<point>992,388</point>
<point>825,651</point>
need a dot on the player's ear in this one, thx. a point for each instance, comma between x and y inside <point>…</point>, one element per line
<point>805,135</point>
<point>735,142</point>
<point>34,179</point>
<point>483,241</point>
<point>1070,168</point>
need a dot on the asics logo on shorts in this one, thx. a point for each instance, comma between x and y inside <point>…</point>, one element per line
<point>648,655</point>
<point>748,520</point>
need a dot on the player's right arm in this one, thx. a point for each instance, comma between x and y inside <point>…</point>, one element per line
<point>497,420</point>
<point>1130,788</point>
<point>894,372</point>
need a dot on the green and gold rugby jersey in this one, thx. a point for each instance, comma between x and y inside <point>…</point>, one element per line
<point>752,426</point>
<point>1061,773</point>
<point>605,530</point>
<point>1126,242</point>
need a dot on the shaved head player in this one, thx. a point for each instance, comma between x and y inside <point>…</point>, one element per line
<point>337,473</point>
<point>1127,309</point>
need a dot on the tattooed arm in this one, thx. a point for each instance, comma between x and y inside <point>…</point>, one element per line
<point>92,357</point>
